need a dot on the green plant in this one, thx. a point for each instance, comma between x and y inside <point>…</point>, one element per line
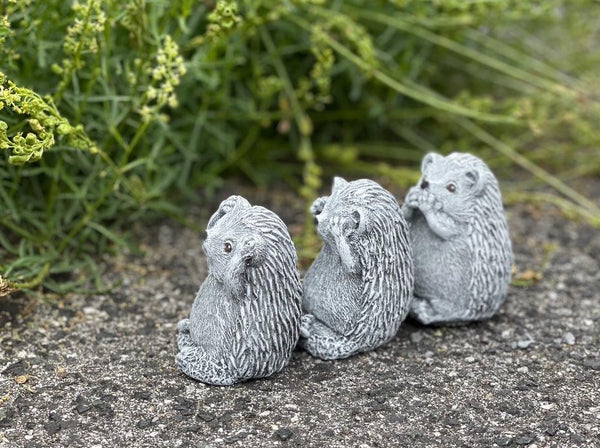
<point>111,112</point>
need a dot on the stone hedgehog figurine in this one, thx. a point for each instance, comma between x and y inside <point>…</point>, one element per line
<point>356,293</point>
<point>245,320</point>
<point>460,240</point>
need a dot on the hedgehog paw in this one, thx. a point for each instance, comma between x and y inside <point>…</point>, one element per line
<point>318,205</point>
<point>421,310</point>
<point>306,323</point>
<point>183,326</point>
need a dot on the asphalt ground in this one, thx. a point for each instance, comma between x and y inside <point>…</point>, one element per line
<point>98,370</point>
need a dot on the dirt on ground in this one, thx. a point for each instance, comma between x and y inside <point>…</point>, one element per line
<point>98,370</point>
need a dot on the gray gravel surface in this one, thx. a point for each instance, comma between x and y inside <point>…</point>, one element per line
<point>98,370</point>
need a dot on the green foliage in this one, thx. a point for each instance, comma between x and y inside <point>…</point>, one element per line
<point>112,112</point>
<point>43,120</point>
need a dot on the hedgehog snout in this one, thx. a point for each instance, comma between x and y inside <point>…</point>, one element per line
<point>424,184</point>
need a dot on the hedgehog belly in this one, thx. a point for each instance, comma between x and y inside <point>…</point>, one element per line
<point>439,265</point>
<point>210,318</point>
<point>330,293</point>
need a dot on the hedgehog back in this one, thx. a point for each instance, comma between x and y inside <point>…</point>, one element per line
<point>270,313</point>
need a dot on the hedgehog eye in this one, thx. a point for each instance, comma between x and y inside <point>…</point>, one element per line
<point>227,247</point>
<point>451,188</point>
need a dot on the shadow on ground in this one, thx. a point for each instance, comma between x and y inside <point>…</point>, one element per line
<point>98,371</point>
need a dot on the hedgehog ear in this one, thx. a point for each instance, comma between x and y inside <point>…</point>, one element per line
<point>253,250</point>
<point>475,181</point>
<point>227,206</point>
<point>361,221</point>
<point>428,160</point>
<point>338,183</point>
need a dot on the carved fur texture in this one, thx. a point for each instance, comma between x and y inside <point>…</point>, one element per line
<point>245,319</point>
<point>460,240</point>
<point>356,292</point>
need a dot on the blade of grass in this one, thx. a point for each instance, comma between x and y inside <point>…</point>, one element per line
<point>519,57</point>
<point>407,88</point>
<point>458,48</point>
<point>570,209</point>
<point>526,164</point>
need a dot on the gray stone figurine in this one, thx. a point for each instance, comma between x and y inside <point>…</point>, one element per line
<point>245,319</point>
<point>461,245</point>
<point>356,292</point>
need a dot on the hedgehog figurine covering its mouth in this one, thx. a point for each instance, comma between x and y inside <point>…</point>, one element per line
<point>245,319</point>
<point>357,291</point>
<point>460,240</point>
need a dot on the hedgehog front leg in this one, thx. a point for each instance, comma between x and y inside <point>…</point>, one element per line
<point>183,326</point>
<point>438,310</point>
<point>318,205</point>
<point>325,343</point>
<point>411,203</point>
<point>341,231</point>
<point>438,221</point>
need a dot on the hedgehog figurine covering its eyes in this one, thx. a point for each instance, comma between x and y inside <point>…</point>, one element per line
<point>245,319</point>
<point>356,293</point>
<point>461,245</point>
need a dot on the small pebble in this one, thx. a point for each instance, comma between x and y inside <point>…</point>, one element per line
<point>523,343</point>
<point>592,364</point>
<point>416,337</point>
<point>576,438</point>
<point>206,416</point>
<point>143,423</point>
<point>142,395</point>
<point>284,433</point>
<point>503,441</point>
<point>53,427</point>
<point>81,408</point>
<point>569,338</point>
<point>525,439</point>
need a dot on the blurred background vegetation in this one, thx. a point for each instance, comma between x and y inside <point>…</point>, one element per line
<point>112,112</point>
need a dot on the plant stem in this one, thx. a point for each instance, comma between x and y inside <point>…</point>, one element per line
<point>33,282</point>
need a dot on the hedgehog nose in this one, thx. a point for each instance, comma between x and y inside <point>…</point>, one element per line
<point>424,184</point>
<point>203,235</point>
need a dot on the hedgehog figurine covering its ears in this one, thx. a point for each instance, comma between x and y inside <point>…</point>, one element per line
<point>461,245</point>
<point>245,319</point>
<point>356,293</point>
